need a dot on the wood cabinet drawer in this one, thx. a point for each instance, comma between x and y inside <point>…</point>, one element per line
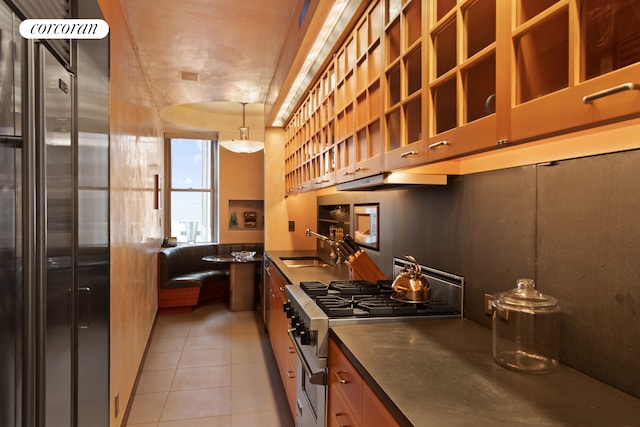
<point>344,379</point>
<point>340,414</point>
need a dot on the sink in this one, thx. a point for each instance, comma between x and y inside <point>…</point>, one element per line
<point>304,261</point>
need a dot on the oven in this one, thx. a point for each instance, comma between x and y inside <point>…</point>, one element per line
<point>314,307</point>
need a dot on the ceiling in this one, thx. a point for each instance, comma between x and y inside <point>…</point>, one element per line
<point>205,57</point>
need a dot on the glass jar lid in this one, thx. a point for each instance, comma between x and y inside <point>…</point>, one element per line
<point>525,297</point>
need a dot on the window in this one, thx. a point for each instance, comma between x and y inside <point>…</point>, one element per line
<point>191,190</point>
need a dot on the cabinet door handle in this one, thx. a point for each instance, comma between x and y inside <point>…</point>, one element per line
<point>291,350</point>
<point>291,374</point>
<point>409,154</point>
<point>339,377</point>
<point>360,169</point>
<point>439,144</point>
<point>345,416</point>
<point>349,173</point>
<point>611,91</point>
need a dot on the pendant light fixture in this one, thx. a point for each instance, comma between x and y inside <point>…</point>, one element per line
<point>243,144</point>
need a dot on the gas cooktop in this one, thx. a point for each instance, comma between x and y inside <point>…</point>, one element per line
<point>366,299</point>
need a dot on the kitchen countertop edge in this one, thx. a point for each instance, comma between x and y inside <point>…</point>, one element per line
<point>441,372</point>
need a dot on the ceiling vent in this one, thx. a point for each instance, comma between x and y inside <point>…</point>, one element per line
<point>190,76</point>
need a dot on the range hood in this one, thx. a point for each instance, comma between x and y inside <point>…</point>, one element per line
<point>392,181</point>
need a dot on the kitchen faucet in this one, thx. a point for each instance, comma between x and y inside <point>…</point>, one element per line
<point>335,254</point>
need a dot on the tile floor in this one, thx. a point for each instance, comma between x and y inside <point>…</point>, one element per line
<point>210,368</point>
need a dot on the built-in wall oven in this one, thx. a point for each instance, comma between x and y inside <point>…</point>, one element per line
<point>314,307</point>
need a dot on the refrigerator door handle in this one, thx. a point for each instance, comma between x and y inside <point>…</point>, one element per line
<point>84,308</point>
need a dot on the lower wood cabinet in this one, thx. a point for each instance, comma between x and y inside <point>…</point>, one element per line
<point>352,402</point>
<point>281,345</point>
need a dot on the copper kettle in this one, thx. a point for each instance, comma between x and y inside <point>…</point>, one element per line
<point>410,285</point>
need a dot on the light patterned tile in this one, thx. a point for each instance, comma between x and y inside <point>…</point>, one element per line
<point>147,407</point>
<point>205,357</point>
<point>202,377</point>
<point>154,381</point>
<point>257,398</point>
<point>201,342</point>
<point>171,330</point>
<point>242,354</point>
<point>263,419</point>
<point>250,373</point>
<point>201,403</point>
<point>166,360</point>
<point>164,344</point>
<point>222,421</point>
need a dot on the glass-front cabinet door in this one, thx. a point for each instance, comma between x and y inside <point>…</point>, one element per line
<point>359,141</point>
<point>405,68</point>
<point>575,64</point>
<point>467,88</point>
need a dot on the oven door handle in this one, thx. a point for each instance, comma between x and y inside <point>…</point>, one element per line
<point>316,378</point>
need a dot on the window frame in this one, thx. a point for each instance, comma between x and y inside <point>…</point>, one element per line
<point>212,191</point>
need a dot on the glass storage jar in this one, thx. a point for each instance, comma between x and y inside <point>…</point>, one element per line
<point>525,329</point>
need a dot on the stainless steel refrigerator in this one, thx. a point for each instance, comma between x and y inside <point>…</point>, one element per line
<point>54,245</point>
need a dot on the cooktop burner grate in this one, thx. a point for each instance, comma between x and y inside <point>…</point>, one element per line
<point>378,305</point>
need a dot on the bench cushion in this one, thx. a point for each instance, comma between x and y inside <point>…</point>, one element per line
<point>196,278</point>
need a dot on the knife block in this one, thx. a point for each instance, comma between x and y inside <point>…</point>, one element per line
<point>362,267</point>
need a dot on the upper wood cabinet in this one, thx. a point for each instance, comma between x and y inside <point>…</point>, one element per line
<point>359,144</point>
<point>575,64</point>
<point>405,74</point>
<point>467,77</point>
<point>419,81</point>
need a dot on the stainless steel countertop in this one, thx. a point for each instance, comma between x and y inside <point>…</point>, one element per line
<point>303,274</point>
<point>441,373</point>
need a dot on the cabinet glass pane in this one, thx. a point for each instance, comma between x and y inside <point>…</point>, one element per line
<point>445,48</point>
<point>362,150</point>
<point>340,64</point>
<point>348,152</point>
<point>414,72</point>
<point>393,85</point>
<point>611,34</point>
<point>361,106</point>
<point>393,9</point>
<point>374,100</point>
<point>394,133</point>
<point>349,119</point>
<point>480,88</point>
<point>350,48</point>
<point>413,15</point>
<point>480,22</point>
<point>413,111</point>
<point>542,59</point>
<point>444,101</point>
<point>444,6</point>
<point>393,41</point>
<point>363,38</point>
<point>340,129</point>
<point>375,62</point>
<point>527,9</point>
<point>361,75</point>
<point>375,139</point>
<point>349,88</point>
<point>375,22</point>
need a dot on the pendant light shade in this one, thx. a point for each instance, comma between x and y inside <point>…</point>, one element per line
<point>244,144</point>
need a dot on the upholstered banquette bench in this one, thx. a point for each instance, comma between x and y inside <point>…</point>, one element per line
<point>186,281</point>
